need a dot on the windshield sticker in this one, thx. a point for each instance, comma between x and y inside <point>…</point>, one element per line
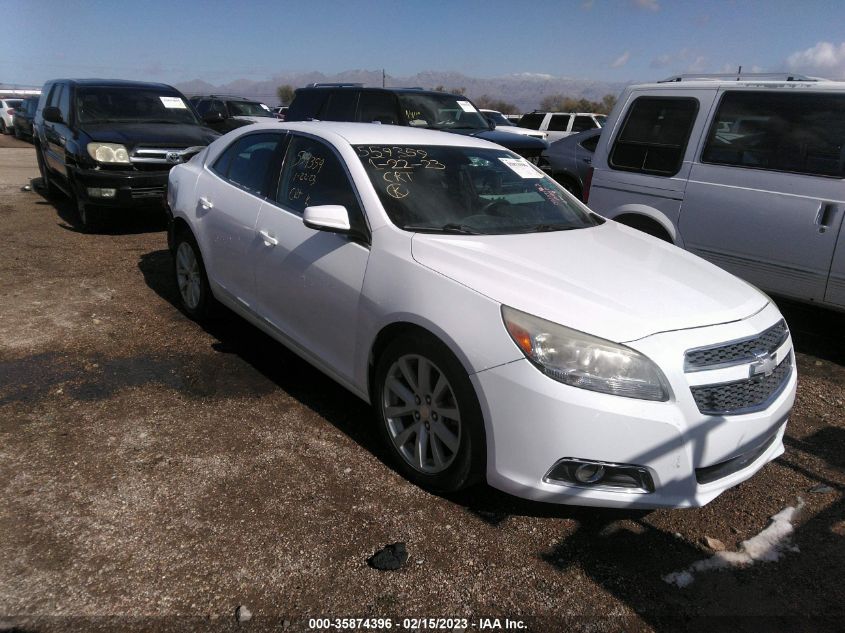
<point>265,107</point>
<point>173,102</point>
<point>523,168</point>
<point>466,106</point>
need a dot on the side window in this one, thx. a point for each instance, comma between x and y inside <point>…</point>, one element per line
<point>583,123</point>
<point>251,162</point>
<point>531,121</point>
<point>340,106</point>
<point>313,175</point>
<point>654,136</point>
<point>798,133</point>
<point>203,106</point>
<point>55,92</point>
<point>591,143</point>
<point>64,104</point>
<point>377,106</point>
<point>306,104</point>
<point>218,106</point>
<point>559,123</point>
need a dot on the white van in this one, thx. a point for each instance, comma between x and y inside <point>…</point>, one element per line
<point>745,171</point>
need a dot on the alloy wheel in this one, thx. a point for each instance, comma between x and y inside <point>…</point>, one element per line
<point>421,413</point>
<point>188,275</point>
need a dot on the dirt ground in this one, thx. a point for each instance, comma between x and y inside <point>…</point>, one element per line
<point>156,475</point>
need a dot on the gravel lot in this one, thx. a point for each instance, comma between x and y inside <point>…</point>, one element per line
<point>156,474</point>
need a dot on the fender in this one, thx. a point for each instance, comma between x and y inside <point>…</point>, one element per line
<point>651,213</point>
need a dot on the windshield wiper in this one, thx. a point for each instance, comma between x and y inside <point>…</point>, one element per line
<point>451,227</point>
<point>545,228</point>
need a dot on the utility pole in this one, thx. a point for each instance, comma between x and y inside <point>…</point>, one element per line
<point>382,77</point>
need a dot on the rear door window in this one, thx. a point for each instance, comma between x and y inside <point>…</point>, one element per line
<point>798,133</point>
<point>377,106</point>
<point>583,123</point>
<point>340,106</point>
<point>654,136</point>
<point>559,123</point>
<point>252,162</point>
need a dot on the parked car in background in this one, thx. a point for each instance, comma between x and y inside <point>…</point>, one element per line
<point>568,160</point>
<point>226,113</point>
<point>501,123</point>
<point>109,144</point>
<point>7,114</point>
<point>413,107</point>
<point>499,328</point>
<point>280,112</point>
<point>746,171</point>
<point>24,117</point>
<point>561,124</point>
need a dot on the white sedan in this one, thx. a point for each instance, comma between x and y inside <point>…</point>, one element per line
<point>500,329</point>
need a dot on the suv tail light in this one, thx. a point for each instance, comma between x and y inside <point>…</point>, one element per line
<point>10,111</point>
<point>588,180</point>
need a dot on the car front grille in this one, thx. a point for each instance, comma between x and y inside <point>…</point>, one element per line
<point>743,396</point>
<point>139,193</point>
<point>148,158</point>
<point>737,352</point>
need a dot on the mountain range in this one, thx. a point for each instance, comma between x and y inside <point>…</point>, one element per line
<point>525,90</point>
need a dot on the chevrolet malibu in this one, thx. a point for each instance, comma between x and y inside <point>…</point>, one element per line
<point>500,329</point>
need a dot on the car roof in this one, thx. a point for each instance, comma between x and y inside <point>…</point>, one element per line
<point>365,133</point>
<point>387,89</point>
<point>116,83</point>
<point>710,84</point>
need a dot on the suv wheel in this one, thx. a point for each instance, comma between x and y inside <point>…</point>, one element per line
<point>46,182</point>
<point>428,414</point>
<point>195,296</point>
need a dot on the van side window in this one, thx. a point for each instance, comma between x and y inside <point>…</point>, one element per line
<point>654,136</point>
<point>797,133</point>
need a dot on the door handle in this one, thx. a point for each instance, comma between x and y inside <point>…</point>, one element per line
<point>269,240</point>
<point>206,203</point>
<point>825,216</point>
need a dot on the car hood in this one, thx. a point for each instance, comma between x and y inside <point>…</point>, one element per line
<point>506,139</point>
<point>610,281</point>
<point>161,134</point>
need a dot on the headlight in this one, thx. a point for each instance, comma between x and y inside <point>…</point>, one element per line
<point>584,361</point>
<point>108,153</point>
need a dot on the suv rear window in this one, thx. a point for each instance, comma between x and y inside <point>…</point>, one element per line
<point>798,133</point>
<point>306,105</point>
<point>654,136</point>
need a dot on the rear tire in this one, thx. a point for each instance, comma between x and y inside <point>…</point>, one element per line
<point>195,296</point>
<point>428,414</point>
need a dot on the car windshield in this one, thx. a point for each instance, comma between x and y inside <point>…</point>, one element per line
<point>130,104</point>
<point>441,112</point>
<point>498,118</point>
<point>248,108</point>
<point>442,189</point>
<point>601,119</point>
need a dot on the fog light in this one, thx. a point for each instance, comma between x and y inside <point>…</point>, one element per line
<point>596,475</point>
<point>589,473</point>
<point>100,192</point>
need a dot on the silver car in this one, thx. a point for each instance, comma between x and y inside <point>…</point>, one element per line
<point>568,160</point>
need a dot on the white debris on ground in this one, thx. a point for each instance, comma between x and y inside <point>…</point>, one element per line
<point>768,547</point>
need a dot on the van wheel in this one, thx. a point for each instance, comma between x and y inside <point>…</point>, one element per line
<point>428,414</point>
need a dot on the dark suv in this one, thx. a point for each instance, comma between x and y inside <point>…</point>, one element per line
<point>110,144</point>
<point>224,114</point>
<point>406,106</point>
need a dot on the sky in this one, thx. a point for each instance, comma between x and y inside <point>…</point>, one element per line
<point>603,40</point>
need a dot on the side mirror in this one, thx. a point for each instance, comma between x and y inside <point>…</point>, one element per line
<point>53,114</point>
<point>327,217</point>
<point>212,117</point>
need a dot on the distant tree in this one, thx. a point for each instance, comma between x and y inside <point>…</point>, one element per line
<point>489,103</point>
<point>607,102</point>
<point>285,94</point>
<point>552,103</point>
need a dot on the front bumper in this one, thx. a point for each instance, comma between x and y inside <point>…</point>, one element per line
<point>532,422</point>
<point>134,188</point>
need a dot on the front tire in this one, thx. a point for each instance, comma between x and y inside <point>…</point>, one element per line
<point>46,181</point>
<point>195,296</point>
<point>428,414</point>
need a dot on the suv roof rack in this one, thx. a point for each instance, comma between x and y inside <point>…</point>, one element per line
<point>740,77</point>
<point>336,85</point>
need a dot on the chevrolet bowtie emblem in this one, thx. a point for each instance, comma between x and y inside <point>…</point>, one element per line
<point>764,363</point>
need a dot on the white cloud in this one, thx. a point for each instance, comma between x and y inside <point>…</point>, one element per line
<point>587,5</point>
<point>825,59</point>
<point>647,5</point>
<point>621,60</point>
